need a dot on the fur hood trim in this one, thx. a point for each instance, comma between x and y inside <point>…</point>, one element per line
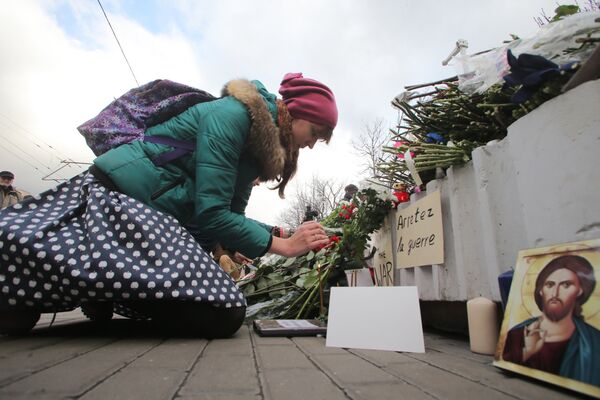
<point>263,141</point>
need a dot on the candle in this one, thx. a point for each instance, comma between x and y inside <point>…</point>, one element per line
<point>483,325</point>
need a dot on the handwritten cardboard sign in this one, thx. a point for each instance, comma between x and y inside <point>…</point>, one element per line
<point>383,263</point>
<point>420,239</point>
<point>359,277</point>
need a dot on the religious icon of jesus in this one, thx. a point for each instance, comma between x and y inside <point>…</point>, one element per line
<point>558,340</point>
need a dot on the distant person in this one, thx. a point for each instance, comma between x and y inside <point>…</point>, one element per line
<point>349,192</point>
<point>310,214</point>
<point>138,234</point>
<point>9,194</point>
<point>559,341</point>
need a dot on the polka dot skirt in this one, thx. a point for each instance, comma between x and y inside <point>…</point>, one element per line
<point>82,242</point>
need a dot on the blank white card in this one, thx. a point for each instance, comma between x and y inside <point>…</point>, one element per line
<point>377,318</point>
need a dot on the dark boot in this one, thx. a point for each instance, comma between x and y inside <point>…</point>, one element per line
<point>14,321</point>
<point>98,311</point>
<point>199,319</point>
<point>213,322</point>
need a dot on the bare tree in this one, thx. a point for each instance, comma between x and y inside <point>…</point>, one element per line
<point>369,146</point>
<point>320,194</point>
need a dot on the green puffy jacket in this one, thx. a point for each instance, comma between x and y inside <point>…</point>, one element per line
<point>237,140</point>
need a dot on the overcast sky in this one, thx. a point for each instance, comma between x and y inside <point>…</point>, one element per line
<point>61,64</point>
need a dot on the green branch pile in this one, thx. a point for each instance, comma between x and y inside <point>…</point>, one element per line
<point>458,122</point>
<point>441,125</point>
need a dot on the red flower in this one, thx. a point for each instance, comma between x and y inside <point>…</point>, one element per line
<point>402,196</point>
<point>332,241</point>
<point>401,154</point>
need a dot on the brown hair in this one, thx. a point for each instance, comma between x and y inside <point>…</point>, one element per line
<point>576,264</point>
<point>284,122</point>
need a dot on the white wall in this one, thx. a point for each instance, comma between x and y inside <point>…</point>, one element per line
<point>539,186</point>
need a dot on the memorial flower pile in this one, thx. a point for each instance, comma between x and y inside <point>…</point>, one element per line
<point>291,288</point>
<point>442,122</point>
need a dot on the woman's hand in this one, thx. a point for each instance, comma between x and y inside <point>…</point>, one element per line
<point>308,236</point>
<point>241,259</point>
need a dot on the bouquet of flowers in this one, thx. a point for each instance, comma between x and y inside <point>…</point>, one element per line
<point>298,287</point>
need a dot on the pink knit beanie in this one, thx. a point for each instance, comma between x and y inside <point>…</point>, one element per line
<point>309,100</point>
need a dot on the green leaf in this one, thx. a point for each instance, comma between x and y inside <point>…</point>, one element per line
<point>300,281</point>
<point>277,293</point>
<point>322,252</point>
<point>289,262</point>
<point>310,255</point>
<point>304,270</point>
<point>274,277</point>
<point>564,10</point>
<point>249,289</point>
<point>308,280</point>
<point>262,283</point>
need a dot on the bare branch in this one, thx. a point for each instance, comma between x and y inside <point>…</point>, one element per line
<point>369,146</point>
<point>321,194</point>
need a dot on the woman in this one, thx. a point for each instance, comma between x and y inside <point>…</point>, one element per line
<point>131,233</point>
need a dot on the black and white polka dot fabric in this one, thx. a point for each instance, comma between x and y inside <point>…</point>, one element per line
<point>83,242</point>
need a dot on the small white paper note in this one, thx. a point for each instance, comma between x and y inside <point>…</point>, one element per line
<point>295,323</point>
<point>376,318</point>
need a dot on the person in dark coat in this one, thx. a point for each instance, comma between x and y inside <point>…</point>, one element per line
<point>9,194</point>
<point>349,192</point>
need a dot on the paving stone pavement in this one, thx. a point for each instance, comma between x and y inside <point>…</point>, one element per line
<point>77,359</point>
